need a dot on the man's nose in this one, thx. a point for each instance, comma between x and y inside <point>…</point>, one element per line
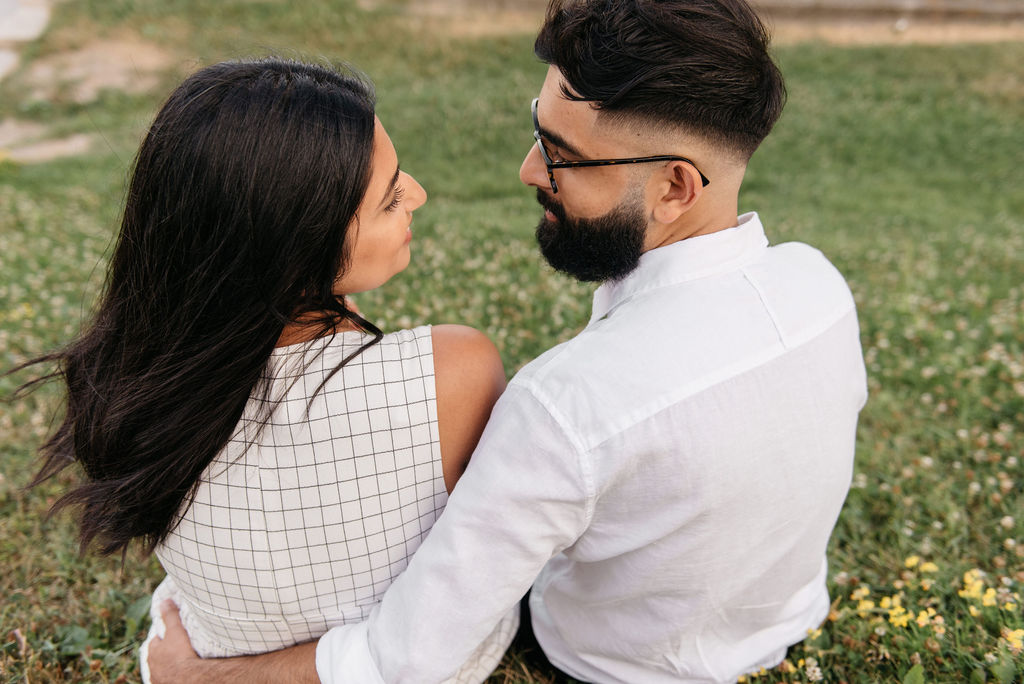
<point>533,171</point>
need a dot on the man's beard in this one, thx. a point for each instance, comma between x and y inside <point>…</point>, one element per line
<point>593,250</point>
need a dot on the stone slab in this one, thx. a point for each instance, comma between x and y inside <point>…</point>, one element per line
<point>23,20</point>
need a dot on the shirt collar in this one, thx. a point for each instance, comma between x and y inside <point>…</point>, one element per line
<point>689,259</point>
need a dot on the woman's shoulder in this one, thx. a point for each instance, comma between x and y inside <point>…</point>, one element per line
<point>466,359</point>
<point>460,352</point>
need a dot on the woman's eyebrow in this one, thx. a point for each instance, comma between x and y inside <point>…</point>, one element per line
<point>391,188</point>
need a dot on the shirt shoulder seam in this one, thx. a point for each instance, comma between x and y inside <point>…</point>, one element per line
<point>724,374</point>
<point>582,459</point>
<point>768,309</point>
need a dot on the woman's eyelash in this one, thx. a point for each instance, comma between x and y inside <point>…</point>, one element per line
<point>396,201</point>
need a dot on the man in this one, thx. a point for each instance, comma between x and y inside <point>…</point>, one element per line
<point>666,481</point>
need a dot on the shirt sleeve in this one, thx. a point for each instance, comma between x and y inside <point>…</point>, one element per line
<point>525,496</point>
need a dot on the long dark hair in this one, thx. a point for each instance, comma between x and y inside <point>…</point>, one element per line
<point>700,65</point>
<point>235,224</point>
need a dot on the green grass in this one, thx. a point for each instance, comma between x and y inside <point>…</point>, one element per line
<point>903,164</point>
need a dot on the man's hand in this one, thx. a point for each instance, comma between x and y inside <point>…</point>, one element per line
<point>173,660</point>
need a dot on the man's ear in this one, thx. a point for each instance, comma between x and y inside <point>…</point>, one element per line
<point>678,188</point>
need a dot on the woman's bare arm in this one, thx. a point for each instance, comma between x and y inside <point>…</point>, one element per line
<point>469,378</point>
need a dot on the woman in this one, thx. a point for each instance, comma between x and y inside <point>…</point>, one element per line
<point>230,407</point>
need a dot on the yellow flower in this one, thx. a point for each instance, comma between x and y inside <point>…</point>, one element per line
<point>813,633</point>
<point>865,607</point>
<point>927,584</point>
<point>912,561</point>
<point>973,611</point>
<point>898,616</point>
<point>928,566</point>
<point>1009,605</point>
<point>972,585</point>
<point>923,619</point>
<point>859,593</point>
<point>1014,639</point>
<point>899,620</point>
<point>886,602</point>
<point>989,599</point>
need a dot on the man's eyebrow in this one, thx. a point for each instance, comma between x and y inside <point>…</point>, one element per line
<point>391,188</point>
<point>560,142</point>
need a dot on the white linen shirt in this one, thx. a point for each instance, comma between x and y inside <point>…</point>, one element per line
<point>667,480</point>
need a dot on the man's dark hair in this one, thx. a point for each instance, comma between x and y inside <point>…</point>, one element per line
<point>698,65</point>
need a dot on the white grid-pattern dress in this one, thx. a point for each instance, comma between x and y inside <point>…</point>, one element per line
<point>303,525</point>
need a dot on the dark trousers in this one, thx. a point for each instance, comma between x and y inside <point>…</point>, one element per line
<point>529,651</point>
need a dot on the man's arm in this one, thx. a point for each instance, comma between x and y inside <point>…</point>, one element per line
<point>527,494</point>
<point>524,497</point>
<point>172,660</point>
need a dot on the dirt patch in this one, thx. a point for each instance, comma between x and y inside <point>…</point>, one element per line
<point>25,143</point>
<point>47,150</point>
<point>8,60</point>
<point>785,31</point>
<point>14,132</point>
<point>129,65</point>
<point>475,24</point>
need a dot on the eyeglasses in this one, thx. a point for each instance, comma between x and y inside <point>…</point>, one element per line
<point>552,165</point>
